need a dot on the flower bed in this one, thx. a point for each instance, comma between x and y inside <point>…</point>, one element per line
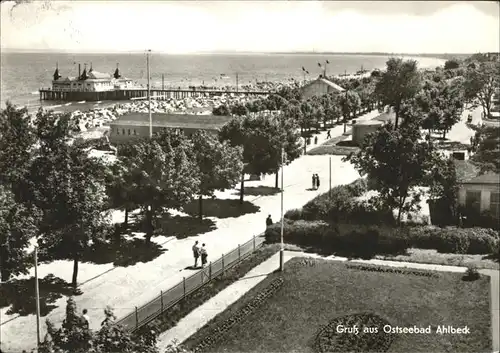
<point>405,271</point>
<point>330,340</point>
<point>219,332</point>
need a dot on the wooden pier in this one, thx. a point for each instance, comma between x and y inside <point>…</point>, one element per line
<point>130,94</point>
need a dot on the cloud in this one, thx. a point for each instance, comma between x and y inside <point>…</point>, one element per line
<point>179,27</point>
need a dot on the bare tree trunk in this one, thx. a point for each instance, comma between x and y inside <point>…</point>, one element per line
<point>149,225</point>
<point>75,270</point>
<point>242,187</point>
<point>125,223</point>
<point>200,207</point>
<point>401,204</point>
<point>396,121</point>
<point>276,180</point>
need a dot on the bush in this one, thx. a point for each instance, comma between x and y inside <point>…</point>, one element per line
<point>455,240</point>
<point>294,214</point>
<point>342,207</point>
<point>471,274</point>
<point>342,239</point>
<point>221,110</point>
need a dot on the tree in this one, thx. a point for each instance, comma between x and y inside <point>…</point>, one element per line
<point>451,64</point>
<point>69,190</point>
<point>163,177</point>
<point>481,84</point>
<point>119,190</point>
<point>261,137</point>
<point>74,336</point>
<point>441,104</point>
<point>16,145</point>
<point>399,82</point>
<point>397,161</point>
<point>18,225</point>
<point>487,156</point>
<point>442,180</point>
<point>348,102</point>
<point>221,110</point>
<point>239,110</point>
<point>220,165</point>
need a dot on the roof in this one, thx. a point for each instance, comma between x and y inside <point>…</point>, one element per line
<point>331,84</point>
<point>208,122</point>
<point>465,171</point>
<point>98,75</point>
<point>327,82</point>
<point>370,122</point>
<point>386,116</point>
<point>488,178</point>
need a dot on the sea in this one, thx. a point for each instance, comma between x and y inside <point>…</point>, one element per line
<point>23,74</point>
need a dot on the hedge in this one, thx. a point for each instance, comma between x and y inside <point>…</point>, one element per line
<point>340,206</point>
<point>367,240</point>
<point>343,239</point>
<point>455,240</point>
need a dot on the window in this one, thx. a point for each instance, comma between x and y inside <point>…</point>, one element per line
<point>135,133</point>
<point>118,131</point>
<point>129,132</point>
<point>495,204</point>
<point>473,200</point>
<point>123,131</point>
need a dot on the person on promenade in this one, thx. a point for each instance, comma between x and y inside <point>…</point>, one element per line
<point>314,182</point>
<point>85,317</point>
<point>196,253</point>
<point>204,255</point>
<point>317,181</point>
<point>269,221</point>
<point>328,135</point>
<point>315,140</point>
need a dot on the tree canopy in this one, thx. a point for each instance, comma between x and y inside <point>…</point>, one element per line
<point>399,82</point>
<point>481,83</point>
<point>397,160</point>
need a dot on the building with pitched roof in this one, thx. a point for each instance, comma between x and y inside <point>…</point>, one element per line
<point>91,81</point>
<point>479,192</point>
<point>136,125</point>
<point>319,87</point>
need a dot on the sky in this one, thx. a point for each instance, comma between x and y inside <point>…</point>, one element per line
<point>251,26</point>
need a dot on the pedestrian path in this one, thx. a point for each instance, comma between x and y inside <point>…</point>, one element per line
<point>124,288</point>
<point>200,316</point>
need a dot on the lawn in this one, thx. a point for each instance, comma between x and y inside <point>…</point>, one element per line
<point>315,293</point>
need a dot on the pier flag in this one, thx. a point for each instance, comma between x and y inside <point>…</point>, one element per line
<point>319,64</point>
<point>303,69</point>
<point>307,72</point>
<point>327,62</point>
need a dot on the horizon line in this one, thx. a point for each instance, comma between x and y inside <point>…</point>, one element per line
<point>21,50</point>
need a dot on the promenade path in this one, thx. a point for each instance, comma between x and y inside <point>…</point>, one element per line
<point>124,288</point>
<point>199,317</point>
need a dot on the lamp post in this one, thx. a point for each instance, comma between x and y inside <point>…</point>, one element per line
<point>149,96</point>
<point>37,294</point>
<point>282,247</point>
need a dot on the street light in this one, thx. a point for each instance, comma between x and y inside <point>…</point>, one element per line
<point>282,259</point>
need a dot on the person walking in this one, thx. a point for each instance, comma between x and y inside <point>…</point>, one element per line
<point>196,253</point>
<point>317,181</point>
<point>314,182</point>
<point>85,317</point>
<point>269,221</point>
<point>203,252</point>
<point>328,135</point>
<point>315,140</point>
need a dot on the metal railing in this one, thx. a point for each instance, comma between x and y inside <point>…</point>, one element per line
<point>167,299</point>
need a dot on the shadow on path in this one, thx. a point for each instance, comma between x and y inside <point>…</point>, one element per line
<point>259,191</point>
<point>227,208</point>
<point>19,294</point>
<point>125,252</point>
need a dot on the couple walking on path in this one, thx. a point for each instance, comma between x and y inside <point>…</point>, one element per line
<point>199,251</point>
<point>315,181</point>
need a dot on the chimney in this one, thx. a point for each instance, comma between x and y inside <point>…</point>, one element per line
<point>79,71</point>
